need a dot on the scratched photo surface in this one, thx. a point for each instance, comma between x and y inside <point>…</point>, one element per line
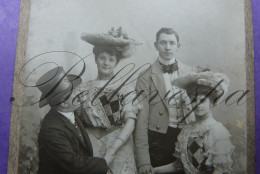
<point>211,33</point>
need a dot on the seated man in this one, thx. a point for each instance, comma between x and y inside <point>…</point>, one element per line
<point>64,145</point>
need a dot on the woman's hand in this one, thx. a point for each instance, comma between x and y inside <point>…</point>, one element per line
<point>109,156</point>
<point>146,169</point>
<point>120,140</point>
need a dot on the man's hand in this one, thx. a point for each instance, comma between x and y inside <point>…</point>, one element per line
<point>146,169</point>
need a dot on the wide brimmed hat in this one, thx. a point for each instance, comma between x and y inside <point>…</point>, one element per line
<point>206,82</point>
<point>114,38</point>
<point>56,86</point>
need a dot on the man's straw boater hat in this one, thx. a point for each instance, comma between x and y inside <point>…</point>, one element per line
<point>115,39</point>
<point>204,83</point>
<point>56,87</point>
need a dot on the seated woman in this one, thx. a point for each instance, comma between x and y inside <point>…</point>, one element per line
<point>108,113</point>
<point>203,146</point>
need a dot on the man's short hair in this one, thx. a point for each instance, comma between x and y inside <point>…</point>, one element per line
<point>167,31</point>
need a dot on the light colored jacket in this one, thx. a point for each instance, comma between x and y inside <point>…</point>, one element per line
<point>154,114</point>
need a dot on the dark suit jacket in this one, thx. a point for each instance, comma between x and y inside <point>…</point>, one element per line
<point>63,151</point>
<point>154,114</point>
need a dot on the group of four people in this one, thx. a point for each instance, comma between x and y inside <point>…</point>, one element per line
<point>90,125</point>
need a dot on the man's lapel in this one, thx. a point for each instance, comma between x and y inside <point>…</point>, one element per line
<point>84,134</point>
<point>71,127</point>
<point>158,80</point>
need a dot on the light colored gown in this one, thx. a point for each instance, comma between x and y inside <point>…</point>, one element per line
<point>104,120</point>
<point>205,143</point>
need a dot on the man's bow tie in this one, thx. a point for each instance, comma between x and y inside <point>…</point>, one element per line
<point>169,68</point>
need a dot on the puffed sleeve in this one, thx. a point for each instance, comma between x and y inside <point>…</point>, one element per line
<point>220,149</point>
<point>129,107</point>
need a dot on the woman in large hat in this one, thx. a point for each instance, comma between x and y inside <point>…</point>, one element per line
<point>204,146</point>
<point>110,116</point>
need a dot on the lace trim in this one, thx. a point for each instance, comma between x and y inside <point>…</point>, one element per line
<point>219,159</point>
<point>95,112</point>
<point>104,76</point>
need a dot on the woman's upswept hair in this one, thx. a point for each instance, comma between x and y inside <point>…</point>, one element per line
<point>108,49</point>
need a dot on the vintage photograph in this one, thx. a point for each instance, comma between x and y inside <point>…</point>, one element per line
<point>134,87</point>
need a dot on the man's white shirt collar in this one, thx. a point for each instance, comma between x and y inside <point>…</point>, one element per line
<point>168,78</point>
<point>69,115</point>
<point>166,62</point>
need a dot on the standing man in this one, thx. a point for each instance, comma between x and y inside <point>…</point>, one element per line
<point>158,123</point>
<point>64,145</point>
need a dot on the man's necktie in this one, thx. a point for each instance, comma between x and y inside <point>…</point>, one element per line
<point>169,68</point>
